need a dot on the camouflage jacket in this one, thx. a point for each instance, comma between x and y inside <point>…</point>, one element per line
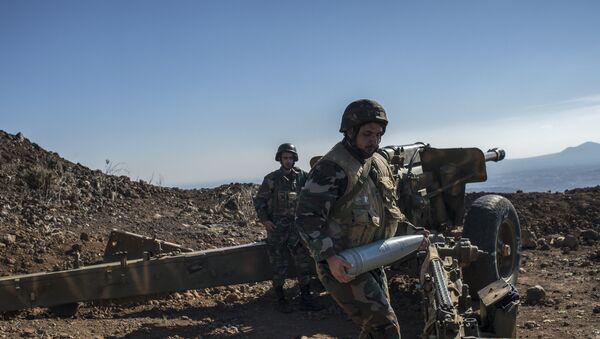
<point>326,184</point>
<point>277,196</point>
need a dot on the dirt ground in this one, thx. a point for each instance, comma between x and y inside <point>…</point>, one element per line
<point>50,207</point>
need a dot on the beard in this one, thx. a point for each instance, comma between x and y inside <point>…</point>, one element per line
<point>370,149</point>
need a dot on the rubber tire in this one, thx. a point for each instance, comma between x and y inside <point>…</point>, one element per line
<point>490,215</point>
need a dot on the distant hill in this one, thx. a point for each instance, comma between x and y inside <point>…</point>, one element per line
<point>571,168</point>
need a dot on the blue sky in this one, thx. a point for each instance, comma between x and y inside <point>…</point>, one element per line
<point>204,92</point>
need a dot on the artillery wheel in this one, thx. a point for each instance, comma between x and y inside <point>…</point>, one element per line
<point>64,310</point>
<point>492,225</point>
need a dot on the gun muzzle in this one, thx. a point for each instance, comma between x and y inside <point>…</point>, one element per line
<point>380,253</point>
<point>495,154</point>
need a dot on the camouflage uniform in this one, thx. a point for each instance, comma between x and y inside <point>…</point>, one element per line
<point>333,215</point>
<point>276,201</point>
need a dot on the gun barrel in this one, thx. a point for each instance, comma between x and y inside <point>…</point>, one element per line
<point>495,154</point>
<point>379,253</point>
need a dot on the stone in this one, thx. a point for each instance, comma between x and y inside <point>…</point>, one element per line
<point>535,295</point>
<point>542,244</point>
<point>84,236</point>
<point>8,239</point>
<point>590,235</point>
<point>528,239</point>
<point>531,324</point>
<point>28,333</point>
<point>232,297</point>
<point>571,242</point>
<point>558,241</point>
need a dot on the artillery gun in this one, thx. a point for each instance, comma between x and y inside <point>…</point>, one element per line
<point>472,257</point>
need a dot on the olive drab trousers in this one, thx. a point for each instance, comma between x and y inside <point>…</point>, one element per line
<point>366,300</point>
<point>284,243</point>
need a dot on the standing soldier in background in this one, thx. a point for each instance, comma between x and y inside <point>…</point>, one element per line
<point>275,205</point>
<point>350,200</point>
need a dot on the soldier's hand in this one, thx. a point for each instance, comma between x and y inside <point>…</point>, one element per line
<point>337,266</point>
<point>269,225</point>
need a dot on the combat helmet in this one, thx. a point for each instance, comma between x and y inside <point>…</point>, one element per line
<point>287,147</point>
<point>363,111</point>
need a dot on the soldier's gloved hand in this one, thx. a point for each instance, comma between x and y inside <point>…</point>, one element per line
<point>337,266</point>
<point>269,225</point>
<point>425,244</point>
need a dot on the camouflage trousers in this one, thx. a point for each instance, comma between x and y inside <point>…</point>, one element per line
<point>284,244</point>
<point>366,300</point>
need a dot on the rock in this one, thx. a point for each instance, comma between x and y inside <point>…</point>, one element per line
<point>596,309</point>
<point>232,204</point>
<point>571,242</point>
<point>84,236</point>
<point>28,333</point>
<point>535,295</point>
<point>8,239</point>
<point>531,324</point>
<point>74,248</point>
<point>528,239</point>
<point>542,244</point>
<point>558,242</point>
<point>232,297</point>
<point>590,235</point>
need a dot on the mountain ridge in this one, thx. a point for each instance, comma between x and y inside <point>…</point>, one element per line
<point>576,166</point>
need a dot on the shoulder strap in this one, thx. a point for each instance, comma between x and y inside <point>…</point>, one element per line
<point>359,185</point>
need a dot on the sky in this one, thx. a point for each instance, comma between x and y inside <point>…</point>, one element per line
<point>199,93</point>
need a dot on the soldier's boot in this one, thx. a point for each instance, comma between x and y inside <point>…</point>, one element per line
<point>307,303</point>
<point>282,304</point>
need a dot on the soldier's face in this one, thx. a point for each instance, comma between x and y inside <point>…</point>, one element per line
<point>369,137</point>
<point>287,160</point>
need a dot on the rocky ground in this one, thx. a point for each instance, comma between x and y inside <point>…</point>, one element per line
<point>51,208</point>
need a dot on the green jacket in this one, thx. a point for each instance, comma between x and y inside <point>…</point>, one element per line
<point>277,197</point>
<point>335,212</point>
